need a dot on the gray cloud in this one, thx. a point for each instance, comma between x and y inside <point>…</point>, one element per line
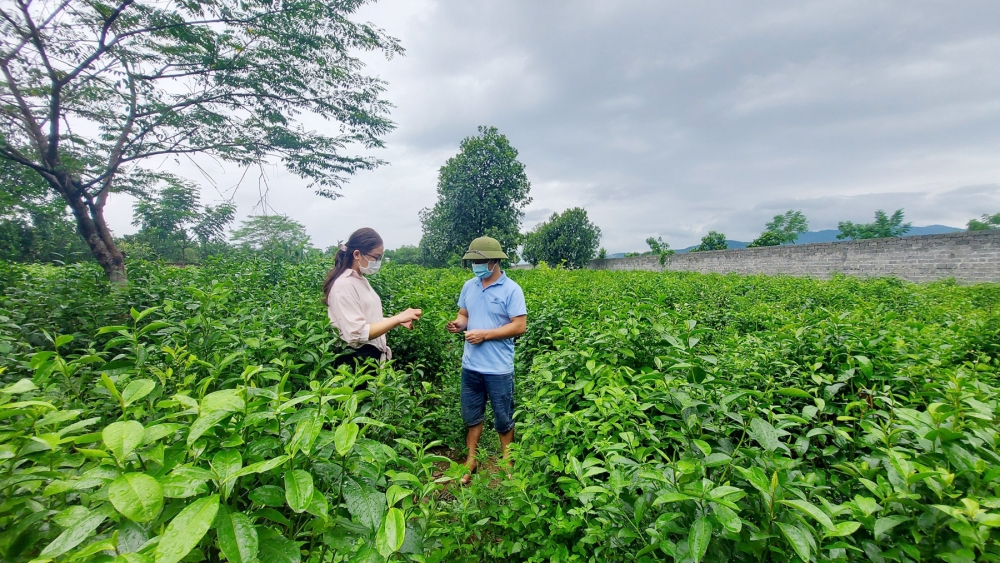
<point>671,119</point>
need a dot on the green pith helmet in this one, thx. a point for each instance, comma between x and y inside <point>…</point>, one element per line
<point>484,248</point>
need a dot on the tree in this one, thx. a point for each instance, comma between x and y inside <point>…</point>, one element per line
<point>767,238</point>
<point>986,223</point>
<point>602,254</point>
<point>659,248</point>
<point>789,226</point>
<point>712,241</point>
<point>568,238</point>
<point>883,227</point>
<point>406,254</point>
<point>277,235</point>
<point>171,221</point>
<point>91,91</point>
<point>34,225</point>
<point>482,191</point>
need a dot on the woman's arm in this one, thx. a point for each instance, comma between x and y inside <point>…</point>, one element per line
<point>378,329</point>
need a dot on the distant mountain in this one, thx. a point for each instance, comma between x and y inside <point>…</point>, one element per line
<point>826,235</point>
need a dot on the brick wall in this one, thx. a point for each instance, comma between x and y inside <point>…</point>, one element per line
<point>969,257</point>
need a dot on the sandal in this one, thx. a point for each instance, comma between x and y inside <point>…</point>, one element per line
<point>467,478</point>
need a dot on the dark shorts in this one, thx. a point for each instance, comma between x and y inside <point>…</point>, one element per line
<point>499,389</point>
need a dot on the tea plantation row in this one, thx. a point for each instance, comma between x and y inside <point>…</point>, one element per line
<point>196,415</point>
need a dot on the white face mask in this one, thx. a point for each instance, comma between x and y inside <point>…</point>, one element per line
<point>372,267</point>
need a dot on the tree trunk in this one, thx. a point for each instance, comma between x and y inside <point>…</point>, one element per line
<point>93,228</point>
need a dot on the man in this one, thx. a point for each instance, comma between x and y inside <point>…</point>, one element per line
<point>491,312</point>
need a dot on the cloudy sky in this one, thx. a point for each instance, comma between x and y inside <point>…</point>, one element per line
<point>675,118</point>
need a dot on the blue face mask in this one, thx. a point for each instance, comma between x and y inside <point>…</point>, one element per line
<point>482,271</point>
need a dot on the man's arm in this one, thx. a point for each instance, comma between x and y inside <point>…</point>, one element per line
<point>516,327</point>
<point>460,323</point>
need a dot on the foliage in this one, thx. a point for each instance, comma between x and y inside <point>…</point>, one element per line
<point>199,414</point>
<point>712,241</point>
<point>602,254</point>
<point>767,238</point>
<point>406,254</point>
<point>275,235</point>
<point>986,223</point>
<point>659,248</point>
<point>787,227</point>
<point>482,191</point>
<point>172,224</point>
<point>568,238</point>
<point>34,226</point>
<point>883,227</point>
<point>94,91</point>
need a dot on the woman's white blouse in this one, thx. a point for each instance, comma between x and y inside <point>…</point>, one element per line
<point>353,306</point>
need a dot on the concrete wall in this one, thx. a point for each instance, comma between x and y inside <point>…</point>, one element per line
<point>969,257</point>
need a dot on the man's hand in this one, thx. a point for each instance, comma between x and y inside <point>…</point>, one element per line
<point>475,336</point>
<point>455,326</point>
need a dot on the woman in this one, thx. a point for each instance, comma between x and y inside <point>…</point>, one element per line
<point>353,306</point>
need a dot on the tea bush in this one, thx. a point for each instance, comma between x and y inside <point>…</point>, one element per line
<point>200,414</point>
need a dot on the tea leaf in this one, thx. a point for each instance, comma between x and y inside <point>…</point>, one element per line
<point>186,530</point>
<point>344,438</point>
<point>237,536</point>
<point>298,489</point>
<point>136,390</point>
<point>122,437</point>
<point>699,537</point>
<point>137,496</point>
<point>75,534</point>
<point>812,510</point>
<point>392,533</point>
<point>799,539</point>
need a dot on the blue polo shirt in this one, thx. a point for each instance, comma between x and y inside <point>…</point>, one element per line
<point>491,308</point>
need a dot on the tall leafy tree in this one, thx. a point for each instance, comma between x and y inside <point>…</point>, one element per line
<point>34,225</point>
<point>91,91</point>
<point>884,226</point>
<point>278,235</point>
<point>481,191</point>
<point>567,238</point>
<point>986,223</point>
<point>658,247</point>
<point>172,222</point>
<point>712,241</point>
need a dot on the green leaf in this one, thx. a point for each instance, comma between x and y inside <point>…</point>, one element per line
<point>229,400</point>
<point>237,536</point>
<point>866,505</point>
<point>110,386</point>
<point>226,463</point>
<point>883,525</point>
<point>728,518</point>
<point>699,537</point>
<point>392,533</point>
<point>395,493</point>
<point>812,510</point>
<point>204,423</point>
<point>137,496</point>
<point>122,437</point>
<point>186,530</point>
<point>268,495</point>
<point>765,434</point>
<point>137,390</point>
<point>794,392</point>
<point>298,489</point>
<point>365,503</point>
<point>344,438</point>
<point>75,534</point>
<point>259,467</point>
<point>843,529</point>
<point>63,340</point>
<point>318,506</point>
<point>22,386</point>
<point>799,539</point>
<point>276,548</point>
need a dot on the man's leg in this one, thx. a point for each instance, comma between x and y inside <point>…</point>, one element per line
<point>501,391</point>
<point>473,409</point>
<point>472,442</point>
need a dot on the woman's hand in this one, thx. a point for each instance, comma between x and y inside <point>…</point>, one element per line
<point>406,318</point>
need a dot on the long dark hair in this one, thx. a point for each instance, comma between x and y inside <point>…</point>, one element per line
<point>363,239</point>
